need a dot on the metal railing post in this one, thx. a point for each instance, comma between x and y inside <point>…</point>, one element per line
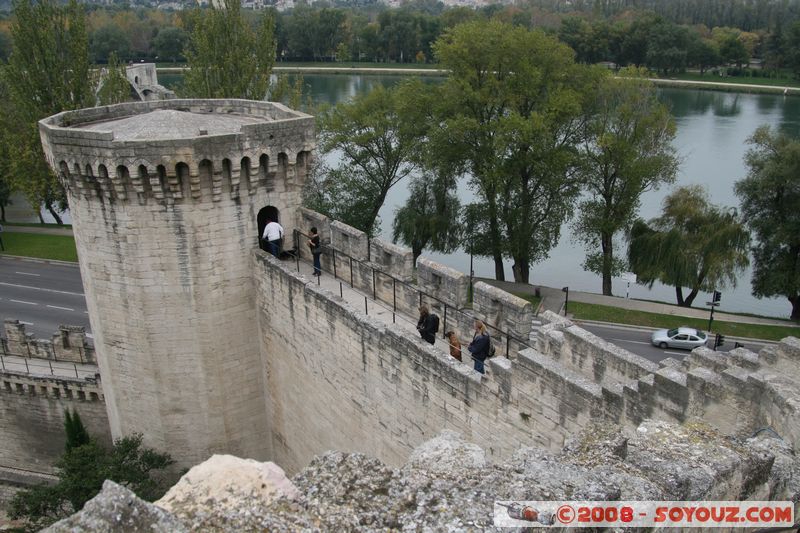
<point>2,362</point>
<point>297,249</point>
<point>351,271</point>
<point>374,286</point>
<point>341,293</point>
<point>366,310</point>
<point>51,368</point>
<point>444,323</point>
<point>27,369</point>
<point>508,344</point>
<point>334,262</point>
<point>394,295</point>
<point>76,370</point>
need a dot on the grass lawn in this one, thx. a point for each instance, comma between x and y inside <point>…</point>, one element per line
<point>59,247</point>
<point>36,225</point>
<point>616,315</point>
<point>534,300</point>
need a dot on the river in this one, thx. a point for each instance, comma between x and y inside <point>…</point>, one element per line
<point>712,129</point>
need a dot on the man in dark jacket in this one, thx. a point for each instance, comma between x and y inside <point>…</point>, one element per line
<point>428,324</point>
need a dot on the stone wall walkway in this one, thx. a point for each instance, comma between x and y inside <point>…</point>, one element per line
<point>379,310</point>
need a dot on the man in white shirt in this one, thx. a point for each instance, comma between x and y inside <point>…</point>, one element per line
<point>273,233</point>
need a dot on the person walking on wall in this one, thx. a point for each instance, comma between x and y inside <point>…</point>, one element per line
<point>428,324</point>
<point>455,344</point>
<point>316,249</point>
<point>273,233</point>
<point>479,347</point>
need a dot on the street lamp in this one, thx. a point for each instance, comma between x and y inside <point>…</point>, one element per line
<point>565,290</point>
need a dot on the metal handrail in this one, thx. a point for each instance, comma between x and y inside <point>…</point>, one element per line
<point>31,362</point>
<point>508,335</point>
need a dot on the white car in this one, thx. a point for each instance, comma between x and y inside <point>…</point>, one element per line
<point>683,337</point>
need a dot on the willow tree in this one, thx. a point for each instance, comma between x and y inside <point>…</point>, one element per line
<point>770,201</point>
<point>627,150</point>
<point>692,244</point>
<point>509,116</point>
<point>227,57</point>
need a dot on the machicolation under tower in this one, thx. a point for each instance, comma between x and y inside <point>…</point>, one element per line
<point>165,199</point>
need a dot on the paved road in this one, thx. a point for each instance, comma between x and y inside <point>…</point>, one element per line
<point>637,340</point>
<point>42,295</point>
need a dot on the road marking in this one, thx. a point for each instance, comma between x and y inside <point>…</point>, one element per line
<point>626,340</point>
<point>62,308</point>
<point>40,289</point>
<point>23,302</point>
<point>28,274</point>
<point>26,323</point>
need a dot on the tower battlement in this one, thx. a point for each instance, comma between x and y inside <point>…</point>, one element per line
<point>179,151</point>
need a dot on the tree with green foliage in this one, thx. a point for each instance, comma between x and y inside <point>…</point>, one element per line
<point>81,471</point>
<point>509,116</point>
<point>48,72</point>
<point>692,244</point>
<point>430,217</point>
<point>627,150</point>
<point>107,40</point>
<point>169,43</point>
<point>227,58</point>
<point>76,434</point>
<point>770,196</point>
<point>375,144</point>
<point>114,85</point>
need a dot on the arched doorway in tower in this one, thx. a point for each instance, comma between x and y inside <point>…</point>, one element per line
<point>266,214</point>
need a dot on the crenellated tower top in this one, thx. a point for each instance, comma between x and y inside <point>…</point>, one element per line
<point>178,151</point>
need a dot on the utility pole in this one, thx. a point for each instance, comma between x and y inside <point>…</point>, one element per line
<point>566,299</point>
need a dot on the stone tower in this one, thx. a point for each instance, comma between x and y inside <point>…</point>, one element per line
<point>167,199</point>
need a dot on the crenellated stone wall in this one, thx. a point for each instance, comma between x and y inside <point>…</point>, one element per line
<point>69,344</point>
<point>371,388</point>
<point>32,417</point>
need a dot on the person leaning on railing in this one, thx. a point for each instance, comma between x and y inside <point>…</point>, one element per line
<point>479,347</point>
<point>316,249</point>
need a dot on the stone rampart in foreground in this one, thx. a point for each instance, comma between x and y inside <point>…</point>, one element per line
<point>449,484</point>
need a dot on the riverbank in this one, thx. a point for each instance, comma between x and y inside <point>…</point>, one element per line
<point>725,86</point>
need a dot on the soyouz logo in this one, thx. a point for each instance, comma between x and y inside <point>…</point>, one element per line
<point>509,513</point>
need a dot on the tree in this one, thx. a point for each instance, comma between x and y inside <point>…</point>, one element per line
<point>430,216</point>
<point>702,53</point>
<point>376,146</point>
<point>48,72</point>
<point>508,116</point>
<point>81,471</point>
<point>169,43</point>
<point>76,434</point>
<point>627,151</point>
<point>693,244</point>
<point>769,196</point>
<point>227,58</point>
<point>114,85</point>
<point>107,40</point>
